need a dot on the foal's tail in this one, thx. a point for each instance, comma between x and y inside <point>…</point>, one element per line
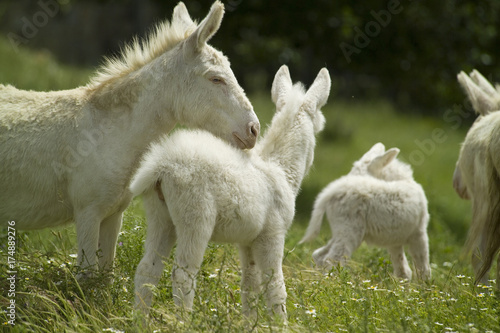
<point>145,178</point>
<point>486,223</point>
<point>316,217</point>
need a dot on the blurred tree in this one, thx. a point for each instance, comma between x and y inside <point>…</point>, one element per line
<point>406,51</point>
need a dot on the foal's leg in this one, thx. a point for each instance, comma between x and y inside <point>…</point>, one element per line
<point>347,236</point>
<point>194,226</point>
<point>250,282</point>
<point>319,255</point>
<point>160,239</point>
<point>268,254</point>
<point>399,262</point>
<point>419,251</point>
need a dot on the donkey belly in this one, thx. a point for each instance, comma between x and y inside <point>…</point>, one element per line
<point>236,231</point>
<point>34,210</point>
<point>31,194</point>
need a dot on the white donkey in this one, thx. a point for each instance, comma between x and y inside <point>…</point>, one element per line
<point>477,174</point>
<point>377,202</point>
<point>198,189</point>
<point>70,155</point>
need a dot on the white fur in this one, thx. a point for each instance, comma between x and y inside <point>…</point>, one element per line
<point>214,192</point>
<point>69,155</point>
<point>377,202</point>
<point>476,175</point>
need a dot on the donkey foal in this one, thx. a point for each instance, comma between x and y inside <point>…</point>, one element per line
<point>380,203</point>
<point>214,192</point>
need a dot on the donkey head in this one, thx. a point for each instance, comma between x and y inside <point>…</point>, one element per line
<point>484,99</point>
<point>314,99</point>
<point>382,164</point>
<point>481,93</point>
<point>208,94</point>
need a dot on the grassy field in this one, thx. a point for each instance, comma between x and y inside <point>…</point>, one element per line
<point>364,297</point>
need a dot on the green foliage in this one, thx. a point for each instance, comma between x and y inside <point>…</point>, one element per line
<point>406,51</point>
<point>37,70</point>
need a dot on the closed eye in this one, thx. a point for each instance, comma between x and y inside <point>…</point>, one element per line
<point>217,80</point>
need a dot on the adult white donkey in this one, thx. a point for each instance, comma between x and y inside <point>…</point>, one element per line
<point>477,174</point>
<point>69,155</point>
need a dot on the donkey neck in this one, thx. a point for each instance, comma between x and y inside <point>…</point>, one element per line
<point>137,109</point>
<point>140,99</point>
<point>292,148</point>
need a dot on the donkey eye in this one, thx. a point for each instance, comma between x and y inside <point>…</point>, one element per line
<point>217,80</point>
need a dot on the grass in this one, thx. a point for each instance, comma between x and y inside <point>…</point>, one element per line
<point>364,297</point>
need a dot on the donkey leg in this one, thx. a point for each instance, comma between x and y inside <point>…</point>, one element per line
<point>160,239</point>
<point>319,255</point>
<point>419,251</point>
<point>188,259</point>
<point>108,236</point>
<point>399,262</point>
<point>87,235</point>
<point>193,234</point>
<point>347,237</point>
<point>250,282</point>
<point>268,254</point>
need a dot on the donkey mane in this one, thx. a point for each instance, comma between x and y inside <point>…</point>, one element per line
<point>139,52</point>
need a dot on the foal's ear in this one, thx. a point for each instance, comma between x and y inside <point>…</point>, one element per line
<point>376,149</point>
<point>207,28</point>
<point>382,160</point>
<point>320,89</point>
<point>282,84</point>
<point>482,102</point>
<point>181,18</point>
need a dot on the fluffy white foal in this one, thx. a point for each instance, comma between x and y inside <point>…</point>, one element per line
<point>197,188</point>
<point>377,202</point>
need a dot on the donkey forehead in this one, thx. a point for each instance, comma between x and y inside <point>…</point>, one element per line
<point>212,57</point>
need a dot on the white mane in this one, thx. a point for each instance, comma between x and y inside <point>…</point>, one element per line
<point>164,36</point>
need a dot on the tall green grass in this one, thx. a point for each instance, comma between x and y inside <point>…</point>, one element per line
<point>363,297</point>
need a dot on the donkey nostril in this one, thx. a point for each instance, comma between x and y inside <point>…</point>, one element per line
<point>254,129</point>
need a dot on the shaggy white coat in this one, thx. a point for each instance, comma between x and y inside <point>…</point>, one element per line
<point>377,202</point>
<point>213,192</point>
<point>477,176</point>
<point>69,155</point>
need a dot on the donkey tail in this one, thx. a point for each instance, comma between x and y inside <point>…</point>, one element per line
<point>145,178</point>
<point>319,210</point>
<point>486,227</point>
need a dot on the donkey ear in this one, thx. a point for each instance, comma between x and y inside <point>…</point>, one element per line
<point>282,84</point>
<point>181,18</point>
<point>481,101</point>
<point>207,28</point>
<point>320,89</point>
<point>483,83</point>
<point>376,149</point>
<point>381,161</point>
